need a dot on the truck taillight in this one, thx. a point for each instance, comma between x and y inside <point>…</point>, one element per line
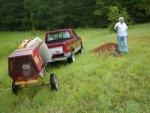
<point>65,48</point>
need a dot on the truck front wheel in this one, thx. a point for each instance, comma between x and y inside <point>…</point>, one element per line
<point>81,50</point>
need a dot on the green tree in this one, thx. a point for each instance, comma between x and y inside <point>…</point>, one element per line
<point>113,15</point>
<point>11,14</point>
<point>51,14</point>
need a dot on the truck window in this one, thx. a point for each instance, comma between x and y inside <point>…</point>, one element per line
<point>58,36</point>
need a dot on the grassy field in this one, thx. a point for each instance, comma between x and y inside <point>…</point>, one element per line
<point>93,84</point>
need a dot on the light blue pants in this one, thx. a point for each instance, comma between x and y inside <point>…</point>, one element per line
<point>122,44</point>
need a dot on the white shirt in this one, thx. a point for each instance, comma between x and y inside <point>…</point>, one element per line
<point>121,29</point>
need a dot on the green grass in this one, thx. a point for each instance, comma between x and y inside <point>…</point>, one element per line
<point>93,84</point>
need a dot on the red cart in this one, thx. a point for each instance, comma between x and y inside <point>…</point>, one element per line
<point>26,66</point>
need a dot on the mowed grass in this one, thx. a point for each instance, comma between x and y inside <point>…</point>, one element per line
<point>93,84</point>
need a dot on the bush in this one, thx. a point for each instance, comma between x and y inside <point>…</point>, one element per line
<point>114,13</point>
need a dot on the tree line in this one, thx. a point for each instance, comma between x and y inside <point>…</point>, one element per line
<point>52,14</point>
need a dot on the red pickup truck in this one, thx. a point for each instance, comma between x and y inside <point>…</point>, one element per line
<point>63,44</point>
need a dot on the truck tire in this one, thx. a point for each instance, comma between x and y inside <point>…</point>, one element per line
<point>53,82</point>
<point>81,50</point>
<point>71,59</point>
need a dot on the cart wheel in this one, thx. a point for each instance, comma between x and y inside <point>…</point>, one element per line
<point>71,59</point>
<point>53,82</point>
<point>15,88</point>
<point>81,50</point>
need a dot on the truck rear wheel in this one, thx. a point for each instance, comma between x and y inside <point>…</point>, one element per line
<point>71,59</point>
<point>53,82</point>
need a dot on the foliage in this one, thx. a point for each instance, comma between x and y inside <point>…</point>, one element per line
<point>113,16</point>
<point>52,14</point>
<point>114,13</point>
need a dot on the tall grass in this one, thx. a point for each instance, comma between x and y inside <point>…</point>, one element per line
<point>93,84</point>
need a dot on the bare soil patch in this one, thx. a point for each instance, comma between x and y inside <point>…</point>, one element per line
<point>107,48</point>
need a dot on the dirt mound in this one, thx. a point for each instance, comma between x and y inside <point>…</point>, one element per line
<point>107,48</point>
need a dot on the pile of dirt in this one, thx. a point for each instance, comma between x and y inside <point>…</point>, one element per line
<point>107,48</point>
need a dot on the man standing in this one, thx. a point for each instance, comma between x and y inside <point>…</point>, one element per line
<point>121,29</point>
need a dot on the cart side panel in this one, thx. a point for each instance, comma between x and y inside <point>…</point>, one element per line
<point>37,59</point>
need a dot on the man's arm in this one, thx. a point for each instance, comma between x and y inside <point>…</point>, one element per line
<point>115,28</point>
<point>126,26</point>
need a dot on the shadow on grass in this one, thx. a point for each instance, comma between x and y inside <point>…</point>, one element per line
<point>59,64</point>
<point>32,90</point>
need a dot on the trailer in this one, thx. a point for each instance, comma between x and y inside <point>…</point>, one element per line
<point>26,66</point>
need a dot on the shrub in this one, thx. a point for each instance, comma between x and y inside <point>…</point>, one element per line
<point>114,13</point>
